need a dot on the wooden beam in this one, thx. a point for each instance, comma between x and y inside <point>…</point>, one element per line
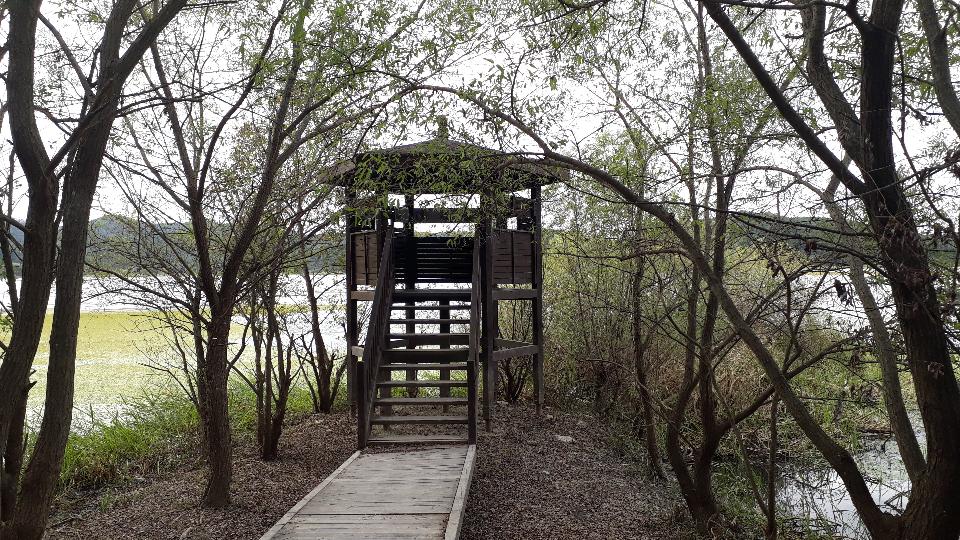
<point>438,215</point>
<point>502,343</point>
<point>490,322</point>
<point>504,354</point>
<point>413,356</point>
<point>432,294</point>
<point>365,296</point>
<point>444,340</point>
<point>444,314</point>
<point>515,294</point>
<point>410,280</point>
<point>455,521</point>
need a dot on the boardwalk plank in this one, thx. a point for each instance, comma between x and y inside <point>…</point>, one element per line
<point>397,495</point>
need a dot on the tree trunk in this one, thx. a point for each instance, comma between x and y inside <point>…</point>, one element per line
<point>771,532</point>
<point>640,362</point>
<point>43,471</point>
<point>278,368</point>
<point>40,233</point>
<point>323,369</point>
<point>216,417</point>
<point>13,462</point>
<point>81,175</point>
<point>934,507</point>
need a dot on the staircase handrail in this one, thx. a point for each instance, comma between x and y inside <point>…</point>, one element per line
<point>376,339</point>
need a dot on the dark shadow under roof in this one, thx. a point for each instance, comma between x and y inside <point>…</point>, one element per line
<point>441,166</point>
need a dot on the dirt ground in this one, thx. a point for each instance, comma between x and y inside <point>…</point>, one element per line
<point>532,481</point>
<point>529,484</point>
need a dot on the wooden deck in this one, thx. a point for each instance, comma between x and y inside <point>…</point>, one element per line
<point>416,494</point>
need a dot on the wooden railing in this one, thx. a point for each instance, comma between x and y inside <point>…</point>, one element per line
<point>472,363</point>
<point>368,369</point>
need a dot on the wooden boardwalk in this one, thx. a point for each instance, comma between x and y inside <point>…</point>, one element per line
<point>416,494</point>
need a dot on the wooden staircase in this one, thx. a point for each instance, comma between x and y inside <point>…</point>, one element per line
<point>423,347</point>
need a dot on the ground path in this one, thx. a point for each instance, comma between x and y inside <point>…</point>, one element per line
<point>527,484</point>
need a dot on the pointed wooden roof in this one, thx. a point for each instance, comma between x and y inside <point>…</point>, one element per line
<point>442,165</point>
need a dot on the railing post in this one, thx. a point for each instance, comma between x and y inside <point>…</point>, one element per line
<point>474,343</point>
<point>490,321</point>
<point>351,285</point>
<point>537,283</point>
<point>361,396</point>
<point>472,400</point>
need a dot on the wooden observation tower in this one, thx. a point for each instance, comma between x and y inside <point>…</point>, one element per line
<point>432,292</point>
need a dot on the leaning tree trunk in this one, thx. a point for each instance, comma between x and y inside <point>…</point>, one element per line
<point>900,423</point>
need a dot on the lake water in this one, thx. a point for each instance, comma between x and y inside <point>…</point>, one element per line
<point>816,496</point>
<point>818,499</point>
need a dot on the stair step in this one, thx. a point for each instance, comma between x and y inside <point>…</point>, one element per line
<point>425,366</point>
<point>410,356</point>
<point>421,401</point>
<point>421,383</point>
<point>393,420</point>
<point>405,335</point>
<point>431,294</point>
<point>445,339</point>
<point>418,439</point>
<point>429,321</point>
<point>461,307</point>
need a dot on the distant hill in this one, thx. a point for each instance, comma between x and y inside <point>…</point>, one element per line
<point>811,235</point>
<point>111,239</point>
<point>816,236</point>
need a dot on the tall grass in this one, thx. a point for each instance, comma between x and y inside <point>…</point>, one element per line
<point>154,432</point>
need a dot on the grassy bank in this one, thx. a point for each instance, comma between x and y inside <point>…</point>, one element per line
<point>157,431</point>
